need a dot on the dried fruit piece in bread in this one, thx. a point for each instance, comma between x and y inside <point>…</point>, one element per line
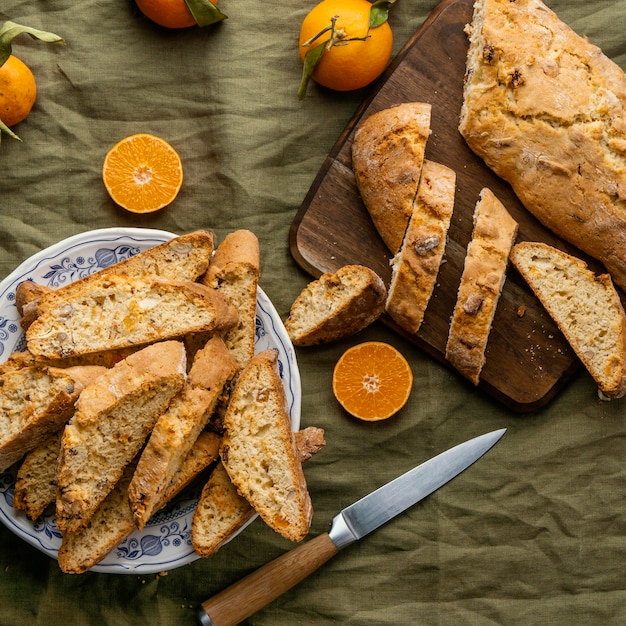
<point>387,157</point>
<point>113,418</point>
<point>336,305</point>
<point>415,267</point>
<point>585,306</point>
<point>482,280</point>
<point>259,452</point>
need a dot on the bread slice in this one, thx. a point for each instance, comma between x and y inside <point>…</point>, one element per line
<point>482,280</point>
<point>546,110</point>
<point>387,157</point>
<point>35,402</point>
<point>258,449</point>
<point>176,430</point>
<point>36,480</point>
<point>336,305</point>
<point>117,311</point>
<point>585,306</point>
<point>416,266</point>
<point>234,271</point>
<point>221,511</point>
<point>113,520</point>
<point>114,415</point>
<point>181,258</point>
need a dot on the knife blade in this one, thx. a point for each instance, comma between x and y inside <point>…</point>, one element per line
<point>242,599</point>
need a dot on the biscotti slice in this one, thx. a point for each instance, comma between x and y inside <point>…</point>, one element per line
<point>221,511</point>
<point>336,306</point>
<point>181,258</point>
<point>113,521</point>
<point>176,430</point>
<point>546,110</point>
<point>482,280</point>
<point>387,157</point>
<point>116,311</point>
<point>585,306</point>
<point>416,266</point>
<point>234,271</point>
<point>36,480</point>
<point>35,401</point>
<point>259,452</point>
<point>113,418</point>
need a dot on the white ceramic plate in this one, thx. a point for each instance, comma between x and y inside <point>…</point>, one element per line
<point>165,543</point>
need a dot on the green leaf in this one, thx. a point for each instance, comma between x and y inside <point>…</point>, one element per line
<point>205,12</point>
<point>5,129</point>
<point>379,13</point>
<point>311,59</point>
<point>10,30</point>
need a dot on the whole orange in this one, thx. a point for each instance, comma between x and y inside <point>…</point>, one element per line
<point>168,13</point>
<point>359,53</point>
<point>17,91</point>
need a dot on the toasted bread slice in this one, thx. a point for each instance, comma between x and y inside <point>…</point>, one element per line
<point>118,311</point>
<point>585,306</point>
<point>481,284</point>
<point>416,266</point>
<point>35,401</point>
<point>113,418</point>
<point>221,511</point>
<point>176,430</point>
<point>258,449</point>
<point>387,158</point>
<point>336,306</point>
<point>113,521</point>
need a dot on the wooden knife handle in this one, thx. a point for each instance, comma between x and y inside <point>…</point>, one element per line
<point>234,604</point>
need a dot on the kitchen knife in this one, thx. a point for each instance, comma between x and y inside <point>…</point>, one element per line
<point>242,599</point>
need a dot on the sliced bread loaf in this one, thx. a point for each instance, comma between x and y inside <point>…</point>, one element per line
<point>116,311</point>
<point>387,157</point>
<point>336,306</point>
<point>176,430</point>
<point>35,401</point>
<point>221,511</point>
<point>481,284</point>
<point>585,306</point>
<point>114,415</point>
<point>113,521</point>
<point>416,266</point>
<point>258,449</point>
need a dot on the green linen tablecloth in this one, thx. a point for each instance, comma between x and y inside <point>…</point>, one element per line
<point>533,534</point>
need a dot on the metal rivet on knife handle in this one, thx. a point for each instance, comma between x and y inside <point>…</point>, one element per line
<point>252,593</point>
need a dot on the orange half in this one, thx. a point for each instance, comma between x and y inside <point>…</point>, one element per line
<point>372,381</point>
<point>142,173</point>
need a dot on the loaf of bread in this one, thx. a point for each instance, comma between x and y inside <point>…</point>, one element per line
<point>336,305</point>
<point>416,266</point>
<point>36,480</point>
<point>545,109</point>
<point>179,426</point>
<point>585,307</point>
<point>387,157</point>
<point>181,258</point>
<point>483,277</point>
<point>113,417</point>
<point>35,402</point>
<point>259,451</point>
<point>234,271</point>
<point>113,520</point>
<point>116,311</point>
<point>221,511</point>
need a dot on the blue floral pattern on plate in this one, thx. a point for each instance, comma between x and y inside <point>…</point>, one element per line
<point>165,542</point>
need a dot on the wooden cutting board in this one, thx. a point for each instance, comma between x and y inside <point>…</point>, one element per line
<point>528,359</point>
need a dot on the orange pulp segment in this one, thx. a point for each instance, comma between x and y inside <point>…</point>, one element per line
<point>372,381</point>
<point>142,173</point>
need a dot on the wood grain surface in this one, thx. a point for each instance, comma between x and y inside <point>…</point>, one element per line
<point>528,359</point>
